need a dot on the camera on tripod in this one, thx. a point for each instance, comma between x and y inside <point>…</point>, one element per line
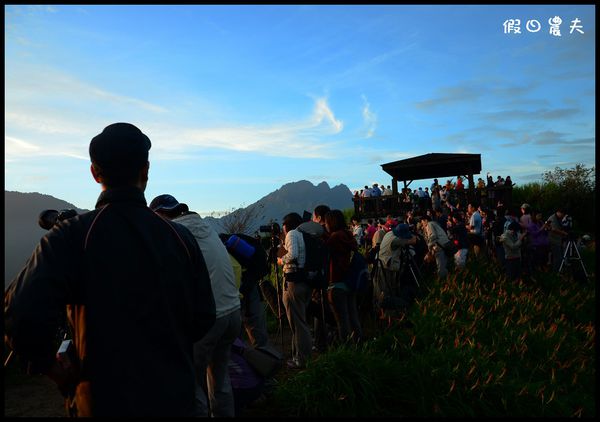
<point>272,228</point>
<point>48,218</point>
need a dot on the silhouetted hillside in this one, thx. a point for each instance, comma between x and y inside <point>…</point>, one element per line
<point>21,229</point>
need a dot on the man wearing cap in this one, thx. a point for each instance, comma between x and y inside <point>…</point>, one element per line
<point>211,353</point>
<point>136,290</point>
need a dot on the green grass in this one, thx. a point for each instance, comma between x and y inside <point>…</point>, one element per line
<point>474,345</point>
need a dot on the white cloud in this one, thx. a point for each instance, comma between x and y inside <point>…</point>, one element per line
<point>322,111</point>
<point>18,147</point>
<point>30,101</point>
<point>40,85</point>
<point>369,118</point>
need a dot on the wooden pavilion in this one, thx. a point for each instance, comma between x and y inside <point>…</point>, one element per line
<point>428,166</point>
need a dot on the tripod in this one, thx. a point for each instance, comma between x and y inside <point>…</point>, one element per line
<point>408,261</point>
<point>273,262</point>
<point>572,254</point>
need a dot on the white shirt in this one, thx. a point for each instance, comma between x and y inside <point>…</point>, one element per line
<point>296,252</point>
<point>475,222</point>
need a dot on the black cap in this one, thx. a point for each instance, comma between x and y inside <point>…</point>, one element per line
<point>120,144</point>
<point>167,202</point>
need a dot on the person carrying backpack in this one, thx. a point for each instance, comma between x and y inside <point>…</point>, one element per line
<point>315,235</point>
<point>252,257</point>
<point>341,298</point>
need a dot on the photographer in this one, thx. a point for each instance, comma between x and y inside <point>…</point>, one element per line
<point>137,292</point>
<point>556,234</point>
<point>211,353</point>
<point>512,240</point>
<point>296,293</point>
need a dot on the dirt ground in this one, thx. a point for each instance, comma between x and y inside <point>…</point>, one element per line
<point>38,396</point>
<point>30,396</point>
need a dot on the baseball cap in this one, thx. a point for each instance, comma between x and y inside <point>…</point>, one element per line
<point>120,145</point>
<point>525,206</point>
<point>167,202</point>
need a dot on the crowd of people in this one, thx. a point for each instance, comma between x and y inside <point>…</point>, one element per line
<point>486,192</point>
<point>157,301</point>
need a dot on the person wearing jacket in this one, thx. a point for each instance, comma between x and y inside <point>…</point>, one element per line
<point>512,240</point>
<point>435,237</point>
<point>136,290</point>
<point>342,301</point>
<point>211,353</point>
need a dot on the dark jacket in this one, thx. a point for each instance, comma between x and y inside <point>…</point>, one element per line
<point>340,243</point>
<point>459,234</point>
<point>138,296</point>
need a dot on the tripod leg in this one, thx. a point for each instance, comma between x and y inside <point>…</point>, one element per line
<point>580,261</point>
<point>279,305</point>
<point>564,258</point>
<point>412,271</point>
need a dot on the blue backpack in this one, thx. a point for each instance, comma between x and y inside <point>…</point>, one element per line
<point>358,277</point>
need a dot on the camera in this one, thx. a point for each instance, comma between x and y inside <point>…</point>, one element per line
<point>272,228</point>
<point>48,218</point>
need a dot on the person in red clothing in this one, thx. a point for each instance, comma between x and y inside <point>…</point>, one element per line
<point>342,301</point>
<point>371,230</point>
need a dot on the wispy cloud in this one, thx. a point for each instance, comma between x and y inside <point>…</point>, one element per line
<point>14,146</point>
<point>69,122</point>
<point>540,114</point>
<point>323,112</point>
<point>369,118</point>
<point>296,139</point>
<point>42,84</point>
<point>451,95</point>
<point>367,66</point>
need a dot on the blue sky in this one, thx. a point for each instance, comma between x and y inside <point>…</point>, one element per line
<point>239,100</point>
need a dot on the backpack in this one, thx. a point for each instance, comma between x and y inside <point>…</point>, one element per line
<point>316,261</point>
<point>357,279</point>
<point>255,264</point>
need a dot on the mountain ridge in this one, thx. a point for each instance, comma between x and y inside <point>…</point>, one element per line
<point>22,232</point>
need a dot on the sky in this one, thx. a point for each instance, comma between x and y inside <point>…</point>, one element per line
<point>240,100</point>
